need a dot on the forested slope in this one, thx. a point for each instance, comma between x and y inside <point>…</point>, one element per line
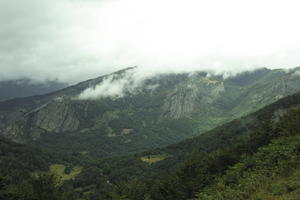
<point>263,165</point>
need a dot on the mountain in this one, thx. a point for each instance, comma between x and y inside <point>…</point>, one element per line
<point>24,87</point>
<point>159,111</point>
<point>225,160</point>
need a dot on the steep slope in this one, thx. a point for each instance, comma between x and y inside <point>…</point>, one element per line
<point>161,110</point>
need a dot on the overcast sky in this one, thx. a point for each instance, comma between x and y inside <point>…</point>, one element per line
<point>72,40</point>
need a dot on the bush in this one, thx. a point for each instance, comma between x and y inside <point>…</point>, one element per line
<point>279,189</point>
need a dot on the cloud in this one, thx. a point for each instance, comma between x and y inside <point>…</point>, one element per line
<point>73,40</point>
<point>296,73</point>
<point>108,88</point>
<point>41,40</point>
<point>118,85</point>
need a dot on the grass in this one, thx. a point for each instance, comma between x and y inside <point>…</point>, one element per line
<point>59,170</point>
<point>126,131</point>
<point>84,152</point>
<point>154,158</point>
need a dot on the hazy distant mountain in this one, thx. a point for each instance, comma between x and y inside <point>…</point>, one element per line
<point>162,110</point>
<point>24,87</point>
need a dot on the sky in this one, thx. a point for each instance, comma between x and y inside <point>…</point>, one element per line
<point>73,40</point>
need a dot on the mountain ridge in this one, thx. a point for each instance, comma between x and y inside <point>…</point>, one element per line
<point>181,106</point>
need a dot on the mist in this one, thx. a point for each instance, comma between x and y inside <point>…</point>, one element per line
<point>74,40</point>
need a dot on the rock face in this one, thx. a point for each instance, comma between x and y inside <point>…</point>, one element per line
<point>180,102</point>
<point>192,96</point>
<point>57,116</point>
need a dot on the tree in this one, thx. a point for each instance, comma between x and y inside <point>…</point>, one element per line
<point>47,186</point>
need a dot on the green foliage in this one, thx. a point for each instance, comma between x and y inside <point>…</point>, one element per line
<point>46,187</point>
<point>154,158</point>
<point>118,197</point>
<point>68,170</point>
<point>4,182</point>
<point>276,166</point>
<point>252,168</point>
<point>19,161</point>
<point>273,170</point>
<point>43,186</point>
<point>60,170</point>
<point>278,189</point>
<point>289,123</point>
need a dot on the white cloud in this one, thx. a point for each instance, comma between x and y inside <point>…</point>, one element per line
<point>296,73</point>
<point>117,86</point>
<point>72,40</point>
<point>108,88</point>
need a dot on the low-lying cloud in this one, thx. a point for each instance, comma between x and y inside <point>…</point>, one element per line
<point>110,87</point>
<point>117,86</point>
<point>73,40</point>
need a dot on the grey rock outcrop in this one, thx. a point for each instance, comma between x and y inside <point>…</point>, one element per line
<point>54,117</point>
<point>195,94</point>
<point>57,116</point>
